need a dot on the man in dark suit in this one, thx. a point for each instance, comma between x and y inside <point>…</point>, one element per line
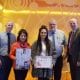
<point>73,49</point>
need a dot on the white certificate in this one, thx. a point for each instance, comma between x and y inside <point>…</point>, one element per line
<point>43,62</point>
<point>23,57</point>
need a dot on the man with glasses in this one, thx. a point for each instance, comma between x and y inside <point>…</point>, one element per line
<point>6,39</point>
<point>59,42</point>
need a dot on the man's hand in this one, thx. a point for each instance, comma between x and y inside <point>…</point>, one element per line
<point>0,63</point>
<point>64,56</point>
<point>78,63</point>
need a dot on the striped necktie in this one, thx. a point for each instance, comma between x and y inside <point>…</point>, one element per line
<point>71,40</point>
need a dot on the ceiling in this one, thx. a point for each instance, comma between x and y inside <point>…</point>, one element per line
<point>60,5</point>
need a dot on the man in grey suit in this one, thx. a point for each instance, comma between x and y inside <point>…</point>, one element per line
<point>6,39</point>
<point>73,50</point>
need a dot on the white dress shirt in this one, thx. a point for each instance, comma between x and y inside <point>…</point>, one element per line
<point>43,53</point>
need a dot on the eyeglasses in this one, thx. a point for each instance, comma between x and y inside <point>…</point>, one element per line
<point>10,25</point>
<point>52,24</point>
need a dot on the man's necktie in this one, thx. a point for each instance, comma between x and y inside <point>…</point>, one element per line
<point>53,37</point>
<point>8,34</point>
<point>71,39</point>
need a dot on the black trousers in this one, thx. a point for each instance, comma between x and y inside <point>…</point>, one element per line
<point>6,66</point>
<point>72,68</point>
<point>78,73</point>
<point>58,68</point>
<point>2,75</point>
<point>20,74</point>
<point>43,78</point>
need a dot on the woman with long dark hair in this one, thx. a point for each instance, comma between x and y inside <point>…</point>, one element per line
<point>42,47</point>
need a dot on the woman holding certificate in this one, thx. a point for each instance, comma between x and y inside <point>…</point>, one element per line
<point>42,52</point>
<point>21,54</point>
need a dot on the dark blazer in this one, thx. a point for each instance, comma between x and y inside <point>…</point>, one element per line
<point>74,51</point>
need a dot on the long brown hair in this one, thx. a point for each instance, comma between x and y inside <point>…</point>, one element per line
<point>46,39</point>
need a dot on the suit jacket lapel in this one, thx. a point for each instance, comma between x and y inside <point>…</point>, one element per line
<point>76,34</point>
